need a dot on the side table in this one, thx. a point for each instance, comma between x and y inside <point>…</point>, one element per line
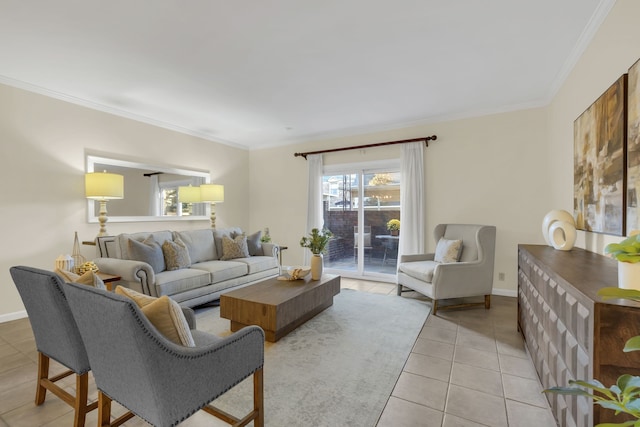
<point>109,280</point>
<point>282,248</point>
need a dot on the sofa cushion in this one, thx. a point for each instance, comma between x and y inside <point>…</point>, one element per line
<point>148,251</point>
<point>234,248</point>
<point>254,244</point>
<point>222,270</point>
<point>176,254</point>
<point>163,313</point>
<point>257,264</point>
<point>448,251</point>
<point>176,281</point>
<point>200,244</point>
<point>421,270</point>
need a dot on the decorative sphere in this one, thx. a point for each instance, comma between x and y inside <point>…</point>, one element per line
<point>553,216</point>
<point>562,235</point>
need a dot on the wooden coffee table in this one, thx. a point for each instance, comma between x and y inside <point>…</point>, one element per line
<point>278,306</point>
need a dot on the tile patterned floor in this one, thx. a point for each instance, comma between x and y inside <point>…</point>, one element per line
<point>468,368</point>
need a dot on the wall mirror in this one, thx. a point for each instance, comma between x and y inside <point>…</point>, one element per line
<point>150,192</point>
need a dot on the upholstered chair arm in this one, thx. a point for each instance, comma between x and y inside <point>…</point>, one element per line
<point>208,371</point>
<point>270,249</point>
<point>461,279</point>
<point>190,316</point>
<point>416,257</point>
<point>137,272</point>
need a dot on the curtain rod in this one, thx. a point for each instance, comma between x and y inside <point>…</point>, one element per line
<point>426,140</point>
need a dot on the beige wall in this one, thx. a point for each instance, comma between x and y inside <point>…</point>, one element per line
<point>42,160</point>
<point>506,169</point>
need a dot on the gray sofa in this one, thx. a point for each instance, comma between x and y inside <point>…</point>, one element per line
<point>204,280</point>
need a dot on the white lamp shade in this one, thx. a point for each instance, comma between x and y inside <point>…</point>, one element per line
<point>103,186</point>
<point>189,194</point>
<point>213,193</point>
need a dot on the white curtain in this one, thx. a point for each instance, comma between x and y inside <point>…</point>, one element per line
<point>154,196</point>
<point>412,217</point>
<point>315,217</point>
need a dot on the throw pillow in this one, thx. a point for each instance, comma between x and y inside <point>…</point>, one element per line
<point>236,248</point>
<point>163,313</point>
<point>219,234</point>
<point>254,244</point>
<point>176,254</point>
<point>448,251</point>
<point>140,299</point>
<point>148,251</point>
<point>88,278</point>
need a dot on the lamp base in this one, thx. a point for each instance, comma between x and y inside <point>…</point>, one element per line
<point>102,218</point>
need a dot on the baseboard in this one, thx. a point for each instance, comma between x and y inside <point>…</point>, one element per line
<point>13,316</point>
<point>505,292</point>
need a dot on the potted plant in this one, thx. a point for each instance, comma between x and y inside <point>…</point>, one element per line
<point>393,225</point>
<point>627,253</point>
<point>317,242</point>
<point>624,395</point>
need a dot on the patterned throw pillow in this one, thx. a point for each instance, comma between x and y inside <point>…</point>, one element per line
<point>176,254</point>
<point>236,248</point>
<point>148,251</point>
<point>163,313</point>
<point>448,251</point>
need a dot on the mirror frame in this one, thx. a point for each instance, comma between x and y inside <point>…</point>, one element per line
<point>92,160</point>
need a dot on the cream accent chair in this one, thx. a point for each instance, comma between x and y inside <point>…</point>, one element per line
<point>471,276</point>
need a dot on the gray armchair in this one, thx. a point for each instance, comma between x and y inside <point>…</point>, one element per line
<point>57,337</point>
<point>157,380</point>
<point>471,276</point>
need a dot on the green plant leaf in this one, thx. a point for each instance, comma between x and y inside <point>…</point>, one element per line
<point>624,424</point>
<point>632,345</point>
<point>613,292</point>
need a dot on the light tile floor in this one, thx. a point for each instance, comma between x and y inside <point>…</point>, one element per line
<point>468,368</point>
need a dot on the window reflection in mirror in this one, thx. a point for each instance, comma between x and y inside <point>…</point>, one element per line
<point>150,192</point>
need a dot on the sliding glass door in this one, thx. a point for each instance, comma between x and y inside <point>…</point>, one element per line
<point>359,201</point>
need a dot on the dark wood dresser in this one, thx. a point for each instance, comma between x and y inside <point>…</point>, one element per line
<point>570,332</point>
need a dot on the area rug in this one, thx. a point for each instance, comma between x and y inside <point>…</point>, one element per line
<point>339,368</point>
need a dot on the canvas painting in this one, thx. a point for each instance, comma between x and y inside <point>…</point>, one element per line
<point>600,163</point>
<point>633,148</point>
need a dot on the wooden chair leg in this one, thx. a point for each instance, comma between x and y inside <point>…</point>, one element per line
<point>258,398</point>
<point>487,302</point>
<point>80,406</point>
<point>104,410</point>
<point>435,306</point>
<point>43,373</point>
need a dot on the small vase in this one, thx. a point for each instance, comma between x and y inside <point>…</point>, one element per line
<point>316,266</point>
<point>394,232</point>
<point>629,275</point>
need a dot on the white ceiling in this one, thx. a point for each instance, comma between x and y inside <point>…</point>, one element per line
<point>269,72</point>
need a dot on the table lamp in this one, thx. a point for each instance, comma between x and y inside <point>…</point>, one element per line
<point>189,194</point>
<point>103,186</point>
<point>212,193</point>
